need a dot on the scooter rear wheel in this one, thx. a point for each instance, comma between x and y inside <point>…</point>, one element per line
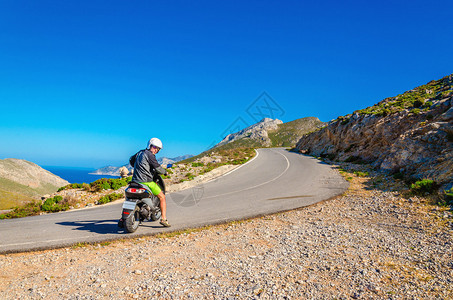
<point>132,221</point>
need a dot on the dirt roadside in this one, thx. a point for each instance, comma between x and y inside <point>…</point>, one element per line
<point>370,243</point>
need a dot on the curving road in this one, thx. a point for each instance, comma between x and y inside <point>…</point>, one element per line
<point>275,180</point>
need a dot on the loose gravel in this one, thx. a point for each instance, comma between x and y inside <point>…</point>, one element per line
<point>366,244</point>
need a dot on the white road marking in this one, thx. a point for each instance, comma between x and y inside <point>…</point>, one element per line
<point>258,185</point>
<point>46,241</point>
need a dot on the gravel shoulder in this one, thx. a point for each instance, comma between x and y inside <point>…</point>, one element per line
<point>370,243</point>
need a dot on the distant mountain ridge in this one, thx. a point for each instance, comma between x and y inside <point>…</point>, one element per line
<point>115,171</point>
<point>271,133</point>
<point>21,180</point>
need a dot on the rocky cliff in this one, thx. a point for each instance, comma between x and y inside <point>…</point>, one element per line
<point>411,133</point>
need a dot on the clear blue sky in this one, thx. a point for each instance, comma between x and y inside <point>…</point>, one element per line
<point>87,83</point>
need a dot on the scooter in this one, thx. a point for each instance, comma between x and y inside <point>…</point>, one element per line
<point>135,211</point>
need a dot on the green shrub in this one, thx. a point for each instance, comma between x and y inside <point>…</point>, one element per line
<point>418,103</point>
<point>99,185</point>
<point>422,187</point>
<point>54,204</point>
<point>419,97</point>
<point>385,112</point>
<point>48,204</point>
<point>71,186</point>
<point>116,185</point>
<point>107,184</point>
<point>86,186</point>
<point>109,198</point>
<point>208,168</point>
<point>239,161</point>
<point>449,135</point>
<point>398,175</point>
<point>427,104</point>
<point>329,156</point>
<point>29,209</point>
<point>355,159</point>
<point>361,174</point>
<point>449,196</point>
<point>197,164</point>
<point>344,120</point>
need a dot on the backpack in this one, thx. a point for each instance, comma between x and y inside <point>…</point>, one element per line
<point>133,158</point>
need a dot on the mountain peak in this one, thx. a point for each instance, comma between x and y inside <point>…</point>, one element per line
<point>256,131</point>
<point>272,133</point>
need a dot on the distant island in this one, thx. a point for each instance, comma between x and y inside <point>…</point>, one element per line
<point>115,171</point>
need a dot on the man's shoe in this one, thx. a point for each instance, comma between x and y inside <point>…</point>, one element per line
<point>164,223</point>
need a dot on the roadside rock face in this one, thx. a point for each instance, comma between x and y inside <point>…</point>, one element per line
<point>416,142</point>
<point>257,132</point>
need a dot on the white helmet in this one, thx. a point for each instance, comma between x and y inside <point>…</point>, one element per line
<point>155,142</point>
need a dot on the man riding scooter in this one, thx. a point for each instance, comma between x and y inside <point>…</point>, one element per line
<point>145,164</point>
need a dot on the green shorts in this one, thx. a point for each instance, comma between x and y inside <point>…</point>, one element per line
<point>155,189</point>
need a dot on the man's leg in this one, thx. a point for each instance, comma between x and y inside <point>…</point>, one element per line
<point>155,189</point>
<point>163,205</point>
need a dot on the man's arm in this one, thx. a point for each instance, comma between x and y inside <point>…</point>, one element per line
<point>156,165</point>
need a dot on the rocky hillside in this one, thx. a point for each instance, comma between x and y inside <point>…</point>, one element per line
<point>271,133</point>
<point>411,133</point>
<point>288,134</point>
<point>20,180</point>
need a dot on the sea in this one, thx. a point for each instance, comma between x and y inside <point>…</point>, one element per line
<point>75,174</point>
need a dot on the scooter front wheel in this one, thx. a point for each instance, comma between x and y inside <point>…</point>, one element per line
<point>156,215</point>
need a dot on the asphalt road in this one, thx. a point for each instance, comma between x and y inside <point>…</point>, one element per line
<point>275,180</point>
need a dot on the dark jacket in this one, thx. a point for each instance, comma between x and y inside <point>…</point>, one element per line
<point>145,165</point>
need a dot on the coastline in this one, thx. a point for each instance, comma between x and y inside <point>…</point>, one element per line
<point>76,174</point>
